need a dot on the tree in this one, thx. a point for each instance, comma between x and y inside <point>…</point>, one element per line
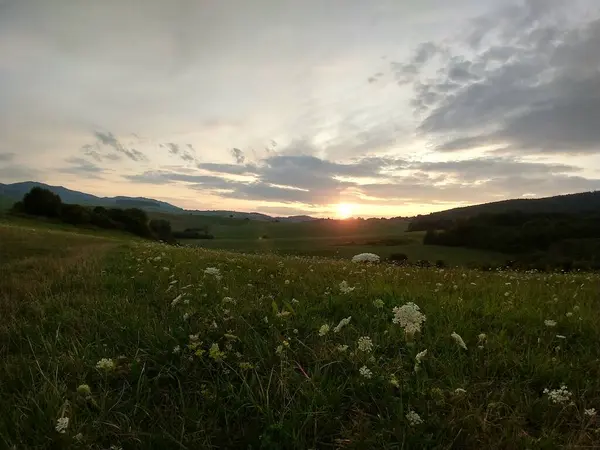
<point>41,202</point>
<point>161,229</point>
<point>75,214</point>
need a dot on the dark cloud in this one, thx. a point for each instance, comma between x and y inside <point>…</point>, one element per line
<point>407,72</point>
<point>6,157</point>
<point>532,86</point>
<point>186,154</point>
<point>230,169</point>
<point>238,155</point>
<point>107,139</point>
<point>80,166</point>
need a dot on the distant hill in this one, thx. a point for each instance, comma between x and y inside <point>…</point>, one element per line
<point>11,193</point>
<point>568,204</point>
<point>16,191</point>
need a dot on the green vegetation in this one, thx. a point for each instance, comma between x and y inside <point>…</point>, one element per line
<point>117,343</point>
<point>551,240</point>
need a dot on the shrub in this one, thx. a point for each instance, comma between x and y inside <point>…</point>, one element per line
<point>42,202</point>
<point>75,214</point>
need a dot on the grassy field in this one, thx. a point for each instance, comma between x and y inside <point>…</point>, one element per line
<point>326,238</point>
<point>110,343</point>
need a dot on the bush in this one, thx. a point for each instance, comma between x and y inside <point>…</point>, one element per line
<point>41,202</point>
<point>398,258</point>
<point>161,229</point>
<point>75,214</point>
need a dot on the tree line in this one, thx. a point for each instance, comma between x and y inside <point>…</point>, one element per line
<point>45,203</point>
<point>536,239</point>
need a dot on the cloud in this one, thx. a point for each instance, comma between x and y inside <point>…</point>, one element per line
<point>7,157</point>
<point>80,166</point>
<point>238,155</point>
<point>532,85</point>
<point>106,139</point>
<point>186,154</point>
<point>423,54</point>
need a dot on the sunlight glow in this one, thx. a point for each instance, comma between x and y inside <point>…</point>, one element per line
<point>345,210</point>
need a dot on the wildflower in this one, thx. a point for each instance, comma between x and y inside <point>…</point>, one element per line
<point>265,319</point>
<point>561,395</point>
<point>230,336</point>
<point>229,300</point>
<point>590,412</point>
<point>62,424</point>
<point>550,323</point>
<point>459,391</point>
<point>194,337</point>
<point>105,364</point>
<point>560,336</point>
<point>482,338</point>
<point>287,282</point>
<point>186,316</point>
<point>283,314</point>
<point>458,340</point>
<point>341,348</point>
<point>378,303</point>
<point>365,372</point>
<point>420,357</point>
<point>84,389</point>
<point>295,301</point>
<point>215,353</point>
<point>78,437</point>
<point>279,350</point>
<point>323,330</point>
<point>212,271</point>
<point>176,349</point>
<point>246,366</point>
<point>409,317</point>
<point>365,344</point>
<point>345,288</point>
<point>342,324</point>
<point>569,314</point>
<point>366,257</point>
<point>413,418</point>
<point>576,308</point>
<point>394,381</point>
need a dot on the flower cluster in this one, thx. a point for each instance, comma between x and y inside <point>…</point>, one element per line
<point>420,357</point>
<point>413,418</point>
<point>365,344</point>
<point>366,257</point>
<point>345,288</point>
<point>342,324</point>
<point>561,395</point>
<point>105,364</point>
<point>458,340</point>
<point>365,372</point>
<point>62,424</point>
<point>409,317</point>
<point>323,330</point>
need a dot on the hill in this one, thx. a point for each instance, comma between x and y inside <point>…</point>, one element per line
<point>568,204</point>
<point>11,193</point>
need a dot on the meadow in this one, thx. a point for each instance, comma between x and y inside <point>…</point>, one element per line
<point>109,342</point>
<point>326,238</point>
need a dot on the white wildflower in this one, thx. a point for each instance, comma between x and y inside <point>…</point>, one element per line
<point>550,323</point>
<point>323,330</point>
<point>176,300</point>
<point>229,300</point>
<point>186,316</point>
<point>295,301</point>
<point>569,314</point>
<point>176,349</point>
<point>413,418</point>
<point>409,317</point>
<point>590,412</point>
<point>420,356</point>
<point>265,319</point>
<point>576,308</point>
<point>342,324</point>
<point>194,337</point>
<point>341,348</point>
<point>378,303</point>
<point>561,395</point>
<point>459,391</point>
<point>62,424</point>
<point>345,288</point>
<point>105,364</point>
<point>482,338</point>
<point>365,372</point>
<point>560,336</point>
<point>365,344</point>
<point>458,340</point>
<point>286,282</point>
<point>366,257</point>
<point>212,271</point>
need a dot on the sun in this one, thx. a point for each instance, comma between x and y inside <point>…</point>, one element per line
<point>344,210</point>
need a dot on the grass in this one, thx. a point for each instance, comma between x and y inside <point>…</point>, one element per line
<point>331,238</point>
<point>69,300</point>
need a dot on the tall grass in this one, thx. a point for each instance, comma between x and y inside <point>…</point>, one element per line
<point>259,374</point>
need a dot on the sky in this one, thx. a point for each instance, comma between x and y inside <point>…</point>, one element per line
<point>386,107</point>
